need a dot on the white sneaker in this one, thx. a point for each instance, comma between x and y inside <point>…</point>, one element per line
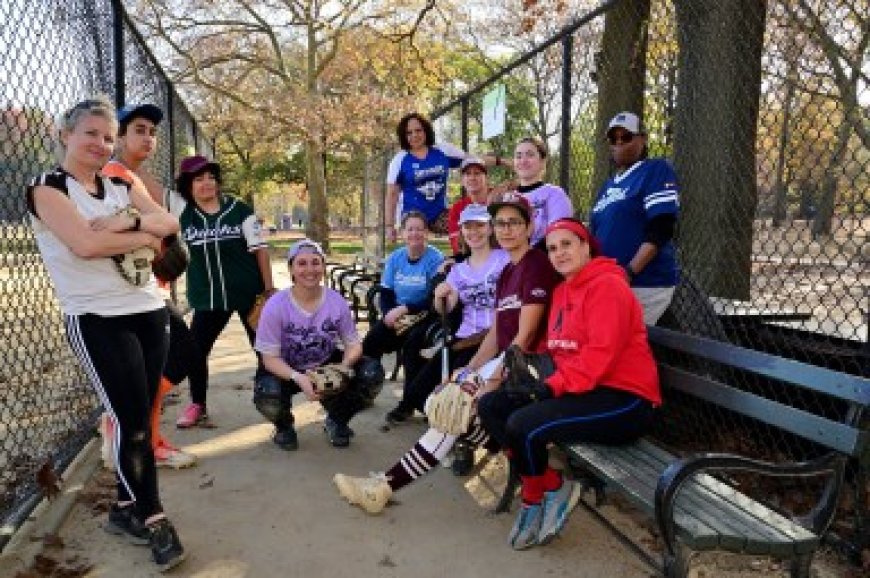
<point>371,494</point>
<point>167,456</point>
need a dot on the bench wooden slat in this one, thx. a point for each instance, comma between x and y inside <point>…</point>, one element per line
<point>768,532</point>
<point>830,433</point>
<point>841,385</point>
<point>709,514</point>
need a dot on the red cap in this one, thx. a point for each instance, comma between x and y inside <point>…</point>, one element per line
<point>578,229</point>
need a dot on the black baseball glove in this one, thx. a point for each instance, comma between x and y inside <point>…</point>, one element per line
<point>526,374</point>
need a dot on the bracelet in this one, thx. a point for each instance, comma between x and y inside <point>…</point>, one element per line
<point>631,274</point>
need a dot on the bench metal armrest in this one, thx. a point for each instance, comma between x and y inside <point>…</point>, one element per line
<point>679,472</point>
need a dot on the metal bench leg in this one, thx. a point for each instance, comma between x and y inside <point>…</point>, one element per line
<point>800,566</point>
<point>398,365</point>
<point>677,565</point>
<point>510,490</point>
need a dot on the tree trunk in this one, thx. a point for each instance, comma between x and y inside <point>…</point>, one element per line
<point>621,68</point>
<point>715,120</point>
<point>318,208</point>
<point>828,193</point>
<point>780,187</point>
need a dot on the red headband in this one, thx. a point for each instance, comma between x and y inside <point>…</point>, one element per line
<point>578,229</point>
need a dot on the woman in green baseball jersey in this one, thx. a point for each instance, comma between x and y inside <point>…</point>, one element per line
<point>229,262</point>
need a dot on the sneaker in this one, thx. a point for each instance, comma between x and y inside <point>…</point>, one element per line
<point>557,505</point>
<point>524,534</point>
<point>166,549</point>
<point>463,458</point>
<point>123,522</point>
<point>191,415</point>
<point>339,434</point>
<point>167,456</point>
<point>371,494</point>
<point>107,436</point>
<point>286,438</point>
<point>398,415</point>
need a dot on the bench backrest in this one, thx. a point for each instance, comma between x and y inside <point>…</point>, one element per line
<point>841,434</point>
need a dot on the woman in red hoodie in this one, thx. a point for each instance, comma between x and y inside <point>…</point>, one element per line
<point>597,382</point>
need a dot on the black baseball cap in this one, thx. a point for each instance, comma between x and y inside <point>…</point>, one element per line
<point>131,111</point>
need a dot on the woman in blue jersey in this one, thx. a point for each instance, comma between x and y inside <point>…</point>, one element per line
<point>634,216</point>
<point>417,175</point>
<point>229,263</point>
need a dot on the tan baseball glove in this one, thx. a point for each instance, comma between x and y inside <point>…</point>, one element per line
<point>451,408</point>
<point>407,321</point>
<point>257,309</point>
<point>134,266</point>
<point>330,379</point>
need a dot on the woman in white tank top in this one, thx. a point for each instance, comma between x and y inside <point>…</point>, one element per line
<point>118,330</point>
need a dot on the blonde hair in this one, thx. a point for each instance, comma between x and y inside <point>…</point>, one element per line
<point>99,105</point>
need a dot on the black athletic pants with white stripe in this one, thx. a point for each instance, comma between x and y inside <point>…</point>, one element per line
<point>605,415</point>
<point>123,357</point>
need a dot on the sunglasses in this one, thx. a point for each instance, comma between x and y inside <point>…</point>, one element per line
<point>623,138</point>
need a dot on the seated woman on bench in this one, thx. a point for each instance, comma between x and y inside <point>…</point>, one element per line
<point>406,297</point>
<point>597,382</point>
<point>519,307</point>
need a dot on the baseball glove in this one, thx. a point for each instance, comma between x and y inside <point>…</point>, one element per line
<point>526,375</point>
<point>134,266</point>
<point>330,379</point>
<point>172,260</point>
<point>450,408</point>
<point>257,308</point>
<point>407,321</point>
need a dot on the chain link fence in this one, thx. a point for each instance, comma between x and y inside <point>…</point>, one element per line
<point>57,52</point>
<point>763,109</point>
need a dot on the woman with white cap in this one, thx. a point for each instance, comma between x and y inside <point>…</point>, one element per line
<point>634,216</point>
<point>470,285</point>
<point>301,328</point>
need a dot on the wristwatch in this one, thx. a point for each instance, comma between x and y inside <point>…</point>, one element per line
<point>631,274</point>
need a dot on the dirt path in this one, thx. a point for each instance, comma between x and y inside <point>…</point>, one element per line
<point>250,509</point>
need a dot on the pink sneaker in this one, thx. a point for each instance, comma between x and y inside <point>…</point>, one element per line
<point>191,415</point>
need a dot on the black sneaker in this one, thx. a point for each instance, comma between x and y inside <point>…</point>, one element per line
<point>398,415</point>
<point>286,439</point>
<point>165,546</point>
<point>463,458</point>
<point>339,434</point>
<point>123,522</point>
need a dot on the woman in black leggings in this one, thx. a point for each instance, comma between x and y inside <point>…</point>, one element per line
<point>596,383</point>
<point>115,326</point>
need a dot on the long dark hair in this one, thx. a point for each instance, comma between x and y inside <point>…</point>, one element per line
<point>402,128</point>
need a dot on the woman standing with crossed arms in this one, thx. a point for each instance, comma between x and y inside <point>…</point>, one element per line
<point>117,329</point>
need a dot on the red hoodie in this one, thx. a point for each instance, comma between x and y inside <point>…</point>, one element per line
<point>596,335</point>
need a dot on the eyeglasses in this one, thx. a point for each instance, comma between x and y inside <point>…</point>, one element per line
<point>509,224</point>
<point>623,138</point>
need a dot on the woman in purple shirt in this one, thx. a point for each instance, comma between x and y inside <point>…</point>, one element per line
<point>300,329</point>
<point>549,202</point>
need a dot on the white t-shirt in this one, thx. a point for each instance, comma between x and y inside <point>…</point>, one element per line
<point>89,285</point>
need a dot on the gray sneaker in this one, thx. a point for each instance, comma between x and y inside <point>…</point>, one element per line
<point>557,505</point>
<point>524,534</point>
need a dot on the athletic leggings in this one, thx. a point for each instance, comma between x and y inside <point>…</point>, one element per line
<point>604,415</point>
<point>206,327</point>
<point>123,357</point>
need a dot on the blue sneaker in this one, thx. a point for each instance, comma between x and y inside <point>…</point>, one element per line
<point>557,505</point>
<point>524,534</point>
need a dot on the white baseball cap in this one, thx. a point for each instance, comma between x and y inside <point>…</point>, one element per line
<point>474,212</point>
<point>472,162</point>
<point>627,120</point>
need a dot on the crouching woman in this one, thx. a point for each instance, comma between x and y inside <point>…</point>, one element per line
<point>300,329</point>
<point>596,383</point>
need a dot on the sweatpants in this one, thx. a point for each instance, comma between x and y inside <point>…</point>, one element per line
<point>381,340</point>
<point>206,327</point>
<point>123,357</point>
<point>416,391</point>
<point>604,415</point>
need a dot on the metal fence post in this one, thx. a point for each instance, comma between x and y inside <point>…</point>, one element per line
<point>565,121</point>
<point>463,123</point>
<point>118,50</point>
